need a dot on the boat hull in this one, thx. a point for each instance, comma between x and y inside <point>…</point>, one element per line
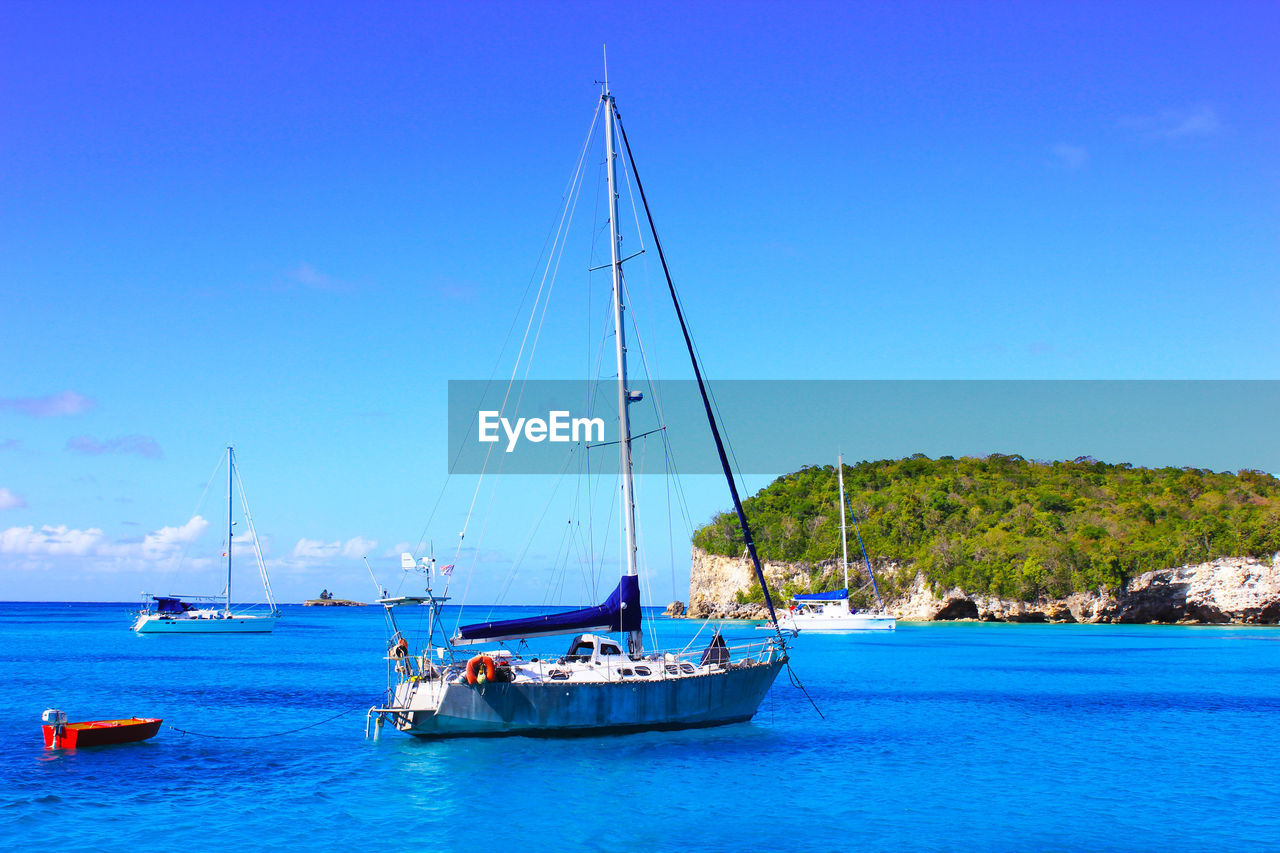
<point>99,733</point>
<point>563,709</point>
<point>856,622</point>
<point>226,625</point>
<point>835,624</point>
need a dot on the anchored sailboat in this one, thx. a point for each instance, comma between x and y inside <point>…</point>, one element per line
<point>200,614</point>
<point>828,612</point>
<point>602,682</point>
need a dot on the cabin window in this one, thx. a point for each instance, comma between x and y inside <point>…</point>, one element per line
<point>606,649</point>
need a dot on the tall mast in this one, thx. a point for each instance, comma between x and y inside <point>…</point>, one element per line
<point>844,542</point>
<point>636,641</point>
<point>231,473</point>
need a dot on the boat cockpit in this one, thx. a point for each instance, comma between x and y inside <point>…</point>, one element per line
<point>586,647</point>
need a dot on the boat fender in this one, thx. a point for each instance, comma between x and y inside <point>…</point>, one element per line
<point>474,677</point>
<point>401,648</point>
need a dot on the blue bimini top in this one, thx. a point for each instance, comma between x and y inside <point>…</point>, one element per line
<point>834,595</point>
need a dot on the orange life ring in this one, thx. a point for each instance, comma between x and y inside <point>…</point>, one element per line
<point>490,673</point>
<point>401,648</point>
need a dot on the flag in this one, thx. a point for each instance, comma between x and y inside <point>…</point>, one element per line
<point>446,570</point>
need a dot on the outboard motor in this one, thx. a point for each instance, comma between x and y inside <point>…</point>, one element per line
<point>55,726</point>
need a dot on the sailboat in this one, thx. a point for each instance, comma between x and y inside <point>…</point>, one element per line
<point>828,612</point>
<point>607,680</point>
<point>201,614</point>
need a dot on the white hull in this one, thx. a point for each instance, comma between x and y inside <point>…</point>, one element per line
<point>853,623</point>
<point>154,624</point>
<point>841,624</point>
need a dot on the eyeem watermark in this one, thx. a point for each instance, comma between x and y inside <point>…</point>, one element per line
<point>558,426</point>
<point>775,426</point>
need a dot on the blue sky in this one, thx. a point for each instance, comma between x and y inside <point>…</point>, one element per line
<point>289,225</point>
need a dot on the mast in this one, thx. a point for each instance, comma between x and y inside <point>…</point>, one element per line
<point>844,541</point>
<point>636,639</point>
<point>866,558</point>
<point>231,473</point>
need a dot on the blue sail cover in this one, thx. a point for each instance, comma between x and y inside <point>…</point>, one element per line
<point>168,604</point>
<point>621,612</point>
<point>834,595</point>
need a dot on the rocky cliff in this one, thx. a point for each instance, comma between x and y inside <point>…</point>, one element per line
<point>1238,590</point>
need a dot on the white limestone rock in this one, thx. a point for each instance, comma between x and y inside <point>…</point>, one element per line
<point>1238,590</point>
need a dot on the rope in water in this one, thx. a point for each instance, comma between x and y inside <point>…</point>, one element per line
<point>273,734</point>
<point>795,681</point>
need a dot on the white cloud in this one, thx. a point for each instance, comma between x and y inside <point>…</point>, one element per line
<point>67,541</point>
<point>11,500</point>
<point>96,565</point>
<point>60,540</point>
<point>314,549</point>
<point>358,547</point>
<point>1199,120</point>
<point>51,406</point>
<point>166,540</point>
<point>1071,156</point>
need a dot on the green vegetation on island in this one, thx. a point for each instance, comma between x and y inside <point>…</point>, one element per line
<point>1006,526</point>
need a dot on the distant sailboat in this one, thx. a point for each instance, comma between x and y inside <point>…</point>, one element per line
<point>828,612</point>
<point>200,614</point>
<point>601,683</point>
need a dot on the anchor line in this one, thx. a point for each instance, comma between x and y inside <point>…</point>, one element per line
<point>795,680</point>
<point>273,734</point>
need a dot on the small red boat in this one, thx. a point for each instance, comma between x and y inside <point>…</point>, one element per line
<point>59,734</point>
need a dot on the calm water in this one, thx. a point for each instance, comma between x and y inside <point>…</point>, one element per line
<point>936,737</point>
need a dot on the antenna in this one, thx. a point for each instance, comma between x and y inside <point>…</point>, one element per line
<point>604,49</point>
<point>371,576</point>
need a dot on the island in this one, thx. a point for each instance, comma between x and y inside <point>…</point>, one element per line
<point>326,599</point>
<point>1003,538</point>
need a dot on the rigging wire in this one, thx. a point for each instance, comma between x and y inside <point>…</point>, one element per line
<point>181,555</point>
<point>257,546</point>
<point>553,236</point>
<point>652,379</point>
<point>746,532</point>
<point>546,247</point>
<point>529,538</point>
<point>551,269</point>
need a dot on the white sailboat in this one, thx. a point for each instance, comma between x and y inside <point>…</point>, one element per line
<point>828,612</point>
<point>201,614</point>
<point>602,682</point>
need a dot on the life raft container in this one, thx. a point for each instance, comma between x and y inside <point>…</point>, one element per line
<point>473,676</point>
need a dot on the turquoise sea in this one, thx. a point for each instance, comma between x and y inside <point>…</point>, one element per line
<point>934,737</point>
